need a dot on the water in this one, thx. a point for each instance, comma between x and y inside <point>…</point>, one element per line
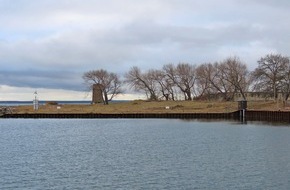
<point>142,154</point>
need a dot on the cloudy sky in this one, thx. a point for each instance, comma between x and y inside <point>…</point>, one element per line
<point>47,45</point>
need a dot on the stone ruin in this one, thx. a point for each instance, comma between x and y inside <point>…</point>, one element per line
<point>97,94</point>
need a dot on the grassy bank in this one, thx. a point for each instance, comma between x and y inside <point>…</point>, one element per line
<point>153,107</point>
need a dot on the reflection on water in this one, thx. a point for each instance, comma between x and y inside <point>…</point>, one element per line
<point>142,154</point>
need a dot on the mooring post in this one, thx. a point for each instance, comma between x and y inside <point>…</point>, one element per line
<point>242,106</point>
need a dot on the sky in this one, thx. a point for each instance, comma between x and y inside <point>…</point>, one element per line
<point>47,45</point>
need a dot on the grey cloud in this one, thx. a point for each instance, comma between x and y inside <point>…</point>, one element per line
<point>42,79</point>
<point>58,41</point>
<point>271,3</point>
<point>128,44</point>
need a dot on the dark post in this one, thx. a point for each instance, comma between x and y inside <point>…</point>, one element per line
<point>242,106</point>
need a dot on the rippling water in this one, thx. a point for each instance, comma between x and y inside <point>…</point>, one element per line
<point>142,154</point>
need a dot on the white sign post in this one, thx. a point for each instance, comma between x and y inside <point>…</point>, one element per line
<point>35,101</point>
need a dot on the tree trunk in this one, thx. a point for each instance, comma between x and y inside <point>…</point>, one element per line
<point>106,101</point>
<point>188,94</point>
<point>275,92</point>
<point>172,96</point>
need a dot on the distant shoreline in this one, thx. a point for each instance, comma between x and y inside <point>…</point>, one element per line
<point>43,102</point>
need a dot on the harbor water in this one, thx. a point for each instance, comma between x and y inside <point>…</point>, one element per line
<point>142,154</point>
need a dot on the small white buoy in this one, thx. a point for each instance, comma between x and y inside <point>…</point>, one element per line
<point>167,107</point>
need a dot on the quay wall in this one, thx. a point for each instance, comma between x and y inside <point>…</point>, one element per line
<point>250,115</point>
<point>125,115</point>
<point>271,116</point>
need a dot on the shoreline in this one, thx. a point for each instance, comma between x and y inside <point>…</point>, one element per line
<point>260,111</point>
<point>251,115</point>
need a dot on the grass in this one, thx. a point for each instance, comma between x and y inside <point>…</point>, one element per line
<point>140,106</point>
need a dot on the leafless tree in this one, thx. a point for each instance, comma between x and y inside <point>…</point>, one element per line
<point>110,83</point>
<point>285,83</point>
<point>166,86</point>
<point>204,73</point>
<point>270,73</point>
<point>143,82</point>
<point>213,80</point>
<point>236,74</point>
<point>183,76</point>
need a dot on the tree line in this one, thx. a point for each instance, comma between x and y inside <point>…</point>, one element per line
<point>186,81</point>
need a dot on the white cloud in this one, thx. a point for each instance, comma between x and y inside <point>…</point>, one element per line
<point>11,93</point>
<point>26,94</point>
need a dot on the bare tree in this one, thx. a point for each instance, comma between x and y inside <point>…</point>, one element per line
<point>166,86</point>
<point>285,83</point>
<point>183,76</point>
<point>110,82</point>
<point>143,82</point>
<point>235,73</point>
<point>204,74</point>
<point>270,73</point>
<point>213,80</point>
